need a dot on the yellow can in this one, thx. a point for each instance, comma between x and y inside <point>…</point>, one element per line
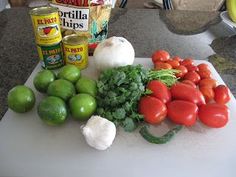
<point>46,24</point>
<point>76,50</point>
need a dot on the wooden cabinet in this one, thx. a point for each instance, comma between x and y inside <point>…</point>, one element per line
<point>17,3</point>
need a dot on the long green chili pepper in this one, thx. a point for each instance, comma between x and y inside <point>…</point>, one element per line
<point>159,140</point>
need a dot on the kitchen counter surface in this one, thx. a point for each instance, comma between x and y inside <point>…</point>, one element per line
<point>199,35</point>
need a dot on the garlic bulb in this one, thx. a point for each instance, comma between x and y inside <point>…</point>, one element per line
<point>113,52</point>
<point>99,132</point>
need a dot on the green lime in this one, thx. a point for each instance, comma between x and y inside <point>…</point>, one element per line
<point>21,99</point>
<point>43,79</point>
<point>70,73</point>
<point>82,106</point>
<point>86,85</point>
<point>52,110</point>
<point>61,88</point>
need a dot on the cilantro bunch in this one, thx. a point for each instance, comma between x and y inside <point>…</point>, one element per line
<point>120,89</point>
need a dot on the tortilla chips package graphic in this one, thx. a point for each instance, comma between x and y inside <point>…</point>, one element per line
<point>85,18</point>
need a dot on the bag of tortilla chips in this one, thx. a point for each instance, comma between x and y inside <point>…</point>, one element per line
<point>85,17</point>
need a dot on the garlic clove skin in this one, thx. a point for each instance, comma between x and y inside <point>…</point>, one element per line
<point>113,52</point>
<point>99,132</point>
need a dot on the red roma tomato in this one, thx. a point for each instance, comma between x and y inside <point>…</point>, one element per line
<point>209,82</point>
<point>186,92</point>
<point>158,63</point>
<point>182,112</point>
<point>207,92</point>
<point>160,55</point>
<point>173,63</point>
<point>221,94</point>
<point>192,76</point>
<point>203,66</point>
<point>187,61</point>
<point>159,90</point>
<point>188,82</point>
<point>214,115</point>
<point>204,74</point>
<point>153,109</point>
<point>183,70</point>
<point>192,68</point>
<point>161,65</point>
<point>176,58</point>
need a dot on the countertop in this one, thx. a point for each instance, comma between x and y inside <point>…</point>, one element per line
<point>200,35</point>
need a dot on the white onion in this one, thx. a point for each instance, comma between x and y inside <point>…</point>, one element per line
<point>113,52</point>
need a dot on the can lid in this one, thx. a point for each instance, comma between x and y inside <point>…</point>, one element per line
<point>44,10</point>
<point>74,39</point>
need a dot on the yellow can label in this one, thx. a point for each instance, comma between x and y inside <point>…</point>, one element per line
<point>76,55</point>
<point>47,28</point>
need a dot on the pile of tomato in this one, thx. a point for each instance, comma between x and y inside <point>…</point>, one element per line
<point>195,96</point>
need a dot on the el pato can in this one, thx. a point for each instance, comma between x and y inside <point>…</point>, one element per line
<point>46,24</point>
<point>51,57</point>
<point>75,50</point>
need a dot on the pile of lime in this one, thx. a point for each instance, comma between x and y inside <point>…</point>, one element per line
<point>67,92</point>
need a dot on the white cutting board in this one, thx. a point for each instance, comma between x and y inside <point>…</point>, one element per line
<point>29,148</point>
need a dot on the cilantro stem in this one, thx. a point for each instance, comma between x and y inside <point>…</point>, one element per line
<point>167,76</point>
